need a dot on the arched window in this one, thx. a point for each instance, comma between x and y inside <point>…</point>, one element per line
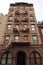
<point>35,58</point>
<point>6,58</point>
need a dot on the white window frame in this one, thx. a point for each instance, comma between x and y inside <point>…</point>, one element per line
<point>25,26</point>
<point>9,26</point>
<point>10,17</point>
<point>35,39</point>
<point>7,38</point>
<point>31,17</point>
<point>16,38</point>
<point>30,11</point>
<point>33,27</point>
<point>17,26</point>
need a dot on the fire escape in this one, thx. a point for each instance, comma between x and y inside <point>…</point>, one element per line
<point>24,30</point>
<point>16,30</point>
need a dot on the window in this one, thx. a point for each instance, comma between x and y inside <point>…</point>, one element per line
<point>11,11</point>
<point>7,37</point>
<point>30,11</point>
<point>25,12</point>
<point>10,17</point>
<point>25,26</point>
<point>9,26</point>
<point>17,26</point>
<point>35,58</point>
<point>42,31</point>
<point>6,58</point>
<point>26,37</point>
<point>35,39</point>
<point>33,27</point>
<point>16,38</point>
<point>31,17</point>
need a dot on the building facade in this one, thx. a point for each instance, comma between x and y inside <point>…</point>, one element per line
<point>40,27</point>
<point>2,28</point>
<point>21,44</point>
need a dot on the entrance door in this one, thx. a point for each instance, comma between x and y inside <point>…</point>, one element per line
<point>20,58</point>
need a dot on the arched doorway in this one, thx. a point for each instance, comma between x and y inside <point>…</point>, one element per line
<point>21,58</point>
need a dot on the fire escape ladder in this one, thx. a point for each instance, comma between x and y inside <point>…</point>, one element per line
<point>21,34</point>
<point>20,31</point>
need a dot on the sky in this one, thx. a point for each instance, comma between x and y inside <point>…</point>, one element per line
<point>37,4</point>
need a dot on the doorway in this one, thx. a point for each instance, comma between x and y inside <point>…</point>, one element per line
<point>20,58</point>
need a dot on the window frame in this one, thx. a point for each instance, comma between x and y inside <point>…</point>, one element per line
<point>26,37</point>
<point>10,17</point>
<point>17,39</point>
<point>35,41</point>
<point>31,18</point>
<point>33,28</point>
<point>17,26</point>
<point>35,57</point>
<point>9,26</point>
<point>7,58</point>
<point>6,40</point>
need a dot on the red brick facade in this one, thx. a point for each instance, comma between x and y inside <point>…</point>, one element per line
<point>40,27</point>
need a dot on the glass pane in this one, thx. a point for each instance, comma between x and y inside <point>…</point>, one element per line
<point>9,55</point>
<point>4,56</point>
<point>31,17</point>
<point>32,60</point>
<point>38,61</point>
<point>3,61</point>
<point>16,38</point>
<point>35,39</point>
<point>25,26</point>
<point>37,55</point>
<point>26,37</point>
<point>30,11</point>
<point>32,55</point>
<point>9,61</point>
<point>17,26</point>
<point>6,41</point>
<point>10,17</point>
<point>7,37</point>
<point>33,27</point>
<point>9,26</point>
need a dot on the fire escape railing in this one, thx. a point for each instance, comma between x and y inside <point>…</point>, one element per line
<point>20,23</point>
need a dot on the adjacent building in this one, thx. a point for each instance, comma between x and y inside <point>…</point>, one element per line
<point>2,28</point>
<point>21,41</point>
<point>40,27</point>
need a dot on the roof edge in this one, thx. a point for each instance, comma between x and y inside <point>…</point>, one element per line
<point>21,3</point>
